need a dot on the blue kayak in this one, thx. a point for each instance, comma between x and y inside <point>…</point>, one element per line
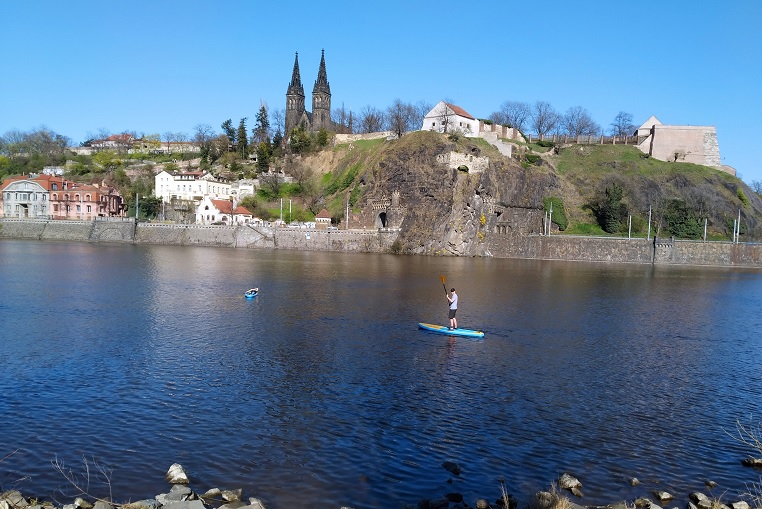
<point>441,329</point>
<point>250,295</point>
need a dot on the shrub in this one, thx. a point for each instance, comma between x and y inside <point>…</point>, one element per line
<point>559,213</point>
<point>533,158</point>
<point>682,221</point>
<point>742,197</point>
<point>545,143</point>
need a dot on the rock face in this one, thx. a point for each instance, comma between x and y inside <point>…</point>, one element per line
<point>444,210</point>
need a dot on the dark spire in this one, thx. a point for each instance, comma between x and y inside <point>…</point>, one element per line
<point>321,83</point>
<point>295,87</point>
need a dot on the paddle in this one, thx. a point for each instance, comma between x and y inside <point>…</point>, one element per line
<point>443,283</point>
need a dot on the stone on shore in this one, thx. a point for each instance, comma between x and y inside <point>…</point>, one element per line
<point>663,496</point>
<point>176,475</point>
<point>568,481</point>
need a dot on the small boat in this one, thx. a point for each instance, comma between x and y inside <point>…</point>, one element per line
<point>250,294</point>
<point>441,329</point>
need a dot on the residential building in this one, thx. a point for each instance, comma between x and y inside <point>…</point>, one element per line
<point>190,186</point>
<point>211,211</point>
<point>53,197</point>
<point>449,118</point>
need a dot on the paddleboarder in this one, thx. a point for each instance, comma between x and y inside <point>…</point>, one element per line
<point>452,298</point>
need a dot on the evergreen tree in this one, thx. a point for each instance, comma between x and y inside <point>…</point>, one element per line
<point>261,130</point>
<point>243,141</point>
<point>263,157</point>
<point>277,138</point>
<point>227,128</point>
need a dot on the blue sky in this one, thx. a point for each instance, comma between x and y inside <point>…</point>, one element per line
<point>157,66</point>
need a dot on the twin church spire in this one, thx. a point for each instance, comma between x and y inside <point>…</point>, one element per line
<point>296,114</point>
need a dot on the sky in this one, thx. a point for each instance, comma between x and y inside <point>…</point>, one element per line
<point>81,67</point>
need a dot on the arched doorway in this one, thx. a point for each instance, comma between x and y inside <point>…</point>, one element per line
<point>381,220</point>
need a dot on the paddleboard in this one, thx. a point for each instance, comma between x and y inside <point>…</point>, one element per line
<point>441,329</point>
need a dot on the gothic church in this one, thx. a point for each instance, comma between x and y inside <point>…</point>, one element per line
<point>296,115</point>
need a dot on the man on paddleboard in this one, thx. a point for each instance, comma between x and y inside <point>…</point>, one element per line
<point>453,300</point>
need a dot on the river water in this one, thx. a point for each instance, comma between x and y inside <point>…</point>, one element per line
<point>322,391</point>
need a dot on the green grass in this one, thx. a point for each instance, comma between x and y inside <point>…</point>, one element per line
<point>585,229</point>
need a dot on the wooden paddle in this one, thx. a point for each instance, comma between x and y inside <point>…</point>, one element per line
<point>443,283</point>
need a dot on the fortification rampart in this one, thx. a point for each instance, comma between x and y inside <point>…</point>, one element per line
<point>538,247</point>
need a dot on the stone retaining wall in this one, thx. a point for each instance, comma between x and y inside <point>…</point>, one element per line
<point>538,247</point>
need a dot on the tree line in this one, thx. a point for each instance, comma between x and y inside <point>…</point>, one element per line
<point>232,146</point>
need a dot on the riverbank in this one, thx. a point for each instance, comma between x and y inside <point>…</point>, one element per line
<point>537,247</point>
<point>181,496</point>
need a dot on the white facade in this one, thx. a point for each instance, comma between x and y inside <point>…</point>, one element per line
<point>446,117</point>
<point>27,199</point>
<point>193,186</point>
<point>211,211</point>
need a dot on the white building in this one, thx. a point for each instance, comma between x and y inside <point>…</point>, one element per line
<point>193,186</point>
<point>211,211</point>
<point>25,198</point>
<point>448,118</point>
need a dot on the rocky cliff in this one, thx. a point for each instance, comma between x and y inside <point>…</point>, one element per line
<point>461,196</point>
<point>446,194</point>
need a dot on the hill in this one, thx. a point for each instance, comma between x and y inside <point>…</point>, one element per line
<point>453,195</point>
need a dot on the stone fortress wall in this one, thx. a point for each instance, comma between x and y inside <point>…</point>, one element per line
<point>538,247</point>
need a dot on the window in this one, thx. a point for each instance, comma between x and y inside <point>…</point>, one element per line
<point>89,209</point>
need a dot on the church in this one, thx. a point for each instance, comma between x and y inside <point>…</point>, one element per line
<point>296,115</point>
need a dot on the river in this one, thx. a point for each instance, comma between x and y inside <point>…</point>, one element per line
<point>322,390</point>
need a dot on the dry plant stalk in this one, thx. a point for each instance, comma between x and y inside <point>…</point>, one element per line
<point>81,482</point>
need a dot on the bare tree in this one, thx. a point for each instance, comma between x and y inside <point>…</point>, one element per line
<point>514,114</point>
<point>371,120</point>
<point>342,119</point>
<point>622,125</point>
<point>299,171</point>
<point>400,117</point>
<point>422,108</point>
<point>756,186</point>
<point>578,122</point>
<point>278,117</point>
<point>203,135</point>
<point>445,114</point>
<point>544,118</point>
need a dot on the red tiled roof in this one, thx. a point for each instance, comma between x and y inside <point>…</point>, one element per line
<point>226,207</point>
<point>460,111</point>
<point>47,181</point>
<point>323,214</point>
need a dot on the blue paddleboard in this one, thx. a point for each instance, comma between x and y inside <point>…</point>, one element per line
<point>441,329</point>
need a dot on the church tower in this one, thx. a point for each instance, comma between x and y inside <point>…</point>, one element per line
<point>295,99</point>
<point>321,99</point>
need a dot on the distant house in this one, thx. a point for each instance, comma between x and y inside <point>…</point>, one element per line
<point>211,211</point>
<point>680,143</point>
<point>120,142</point>
<point>449,118</point>
<point>323,220</point>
